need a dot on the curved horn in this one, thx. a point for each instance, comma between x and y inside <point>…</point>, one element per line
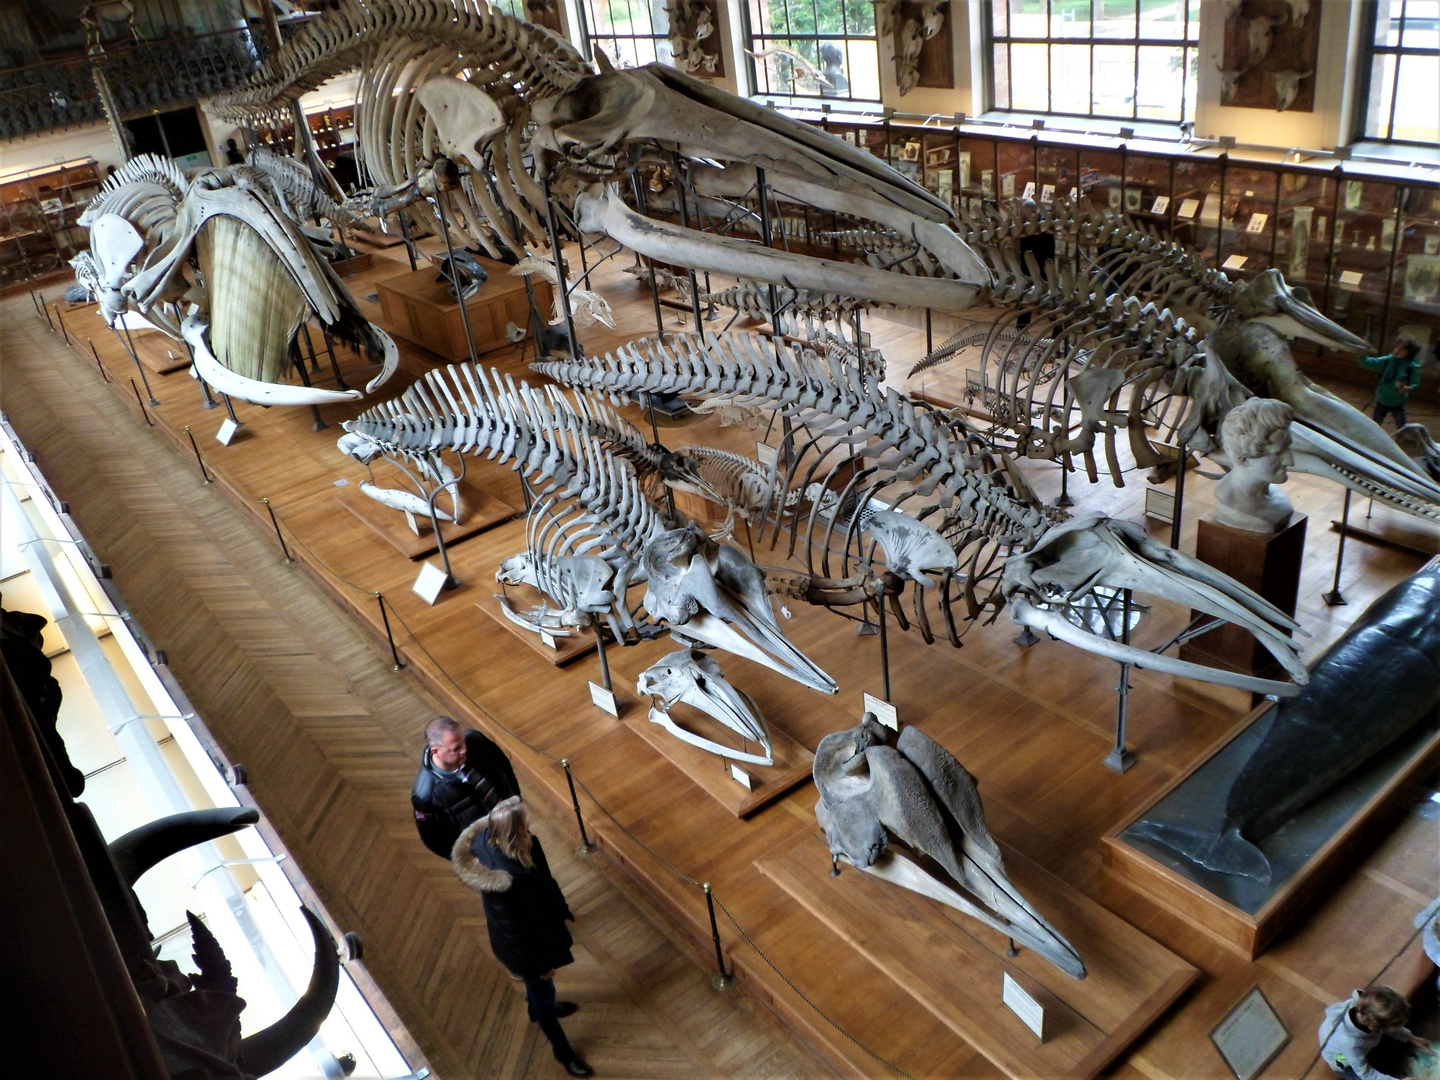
<point>267,1050</point>
<point>140,849</point>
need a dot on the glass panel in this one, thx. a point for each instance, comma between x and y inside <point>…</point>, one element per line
<point>1387,22</point>
<point>1249,220</point>
<point>1115,18</point>
<point>1069,77</point>
<point>1303,229</point>
<point>1196,211</point>
<point>1162,19</point>
<point>1160,89</point>
<point>1000,18</point>
<point>1415,298</point>
<point>1114,91</point>
<point>1070,18</point>
<point>836,38</point>
<point>1382,87</point>
<point>863,64</point>
<point>1028,18</point>
<point>1002,76</point>
<point>1422,24</point>
<point>1017,168</point>
<point>1100,179</point>
<point>1030,92</point>
<point>1193,15</point>
<point>1417,109</point>
<point>1149,178</point>
<point>1364,237</point>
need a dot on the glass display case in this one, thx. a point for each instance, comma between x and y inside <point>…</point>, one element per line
<point>1247,220</point>
<point>39,211</point>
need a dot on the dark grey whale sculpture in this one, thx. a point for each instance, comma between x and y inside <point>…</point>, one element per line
<point>1367,690</point>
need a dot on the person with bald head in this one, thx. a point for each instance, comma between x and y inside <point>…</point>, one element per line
<point>463,776</point>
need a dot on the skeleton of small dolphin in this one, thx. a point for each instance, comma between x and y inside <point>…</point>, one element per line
<point>692,678</point>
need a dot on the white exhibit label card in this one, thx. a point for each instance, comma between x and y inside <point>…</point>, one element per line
<point>227,432</point>
<point>548,640</point>
<point>1187,208</point>
<point>1160,205</point>
<point>883,710</point>
<point>1350,279</point>
<point>742,777</point>
<point>1030,1011</point>
<point>1235,262</point>
<point>604,699</point>
<point>429,583</point>
<point>1047,193</point>
<point>1029,190</point>
<point>767,454</point>
<point>1256,224</point>
<point>1250,1035</point>
<point>412,524</point>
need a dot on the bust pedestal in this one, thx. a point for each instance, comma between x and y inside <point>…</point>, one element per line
<point>1268,563</point>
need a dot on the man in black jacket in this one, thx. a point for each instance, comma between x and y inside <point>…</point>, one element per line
<point>462,776</point>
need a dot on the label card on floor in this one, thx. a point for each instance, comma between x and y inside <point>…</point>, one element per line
<point>1031,1013</point>
<point>1250,1035</point>
<point>883,710</point>
<point>430,583</point>
<point>742,777</point>
<point>1235,262</point>
<point>767,454</point>
<point>227,432</point>
<point>604,699</point>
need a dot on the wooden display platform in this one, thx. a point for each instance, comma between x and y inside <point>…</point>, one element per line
<point>353,265</point>
<point>1246,933</point>
<point>566,648</point>
<point>711,772</point>
<point>420,308</point>
<point>482,511</point>
<point>157,350</point>
<point>953,966</point>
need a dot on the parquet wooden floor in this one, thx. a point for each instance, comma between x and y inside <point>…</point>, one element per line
<point>330,737</point>
<point>1032,725</point>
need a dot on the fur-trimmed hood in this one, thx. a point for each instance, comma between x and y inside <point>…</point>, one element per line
<point>469,869</point>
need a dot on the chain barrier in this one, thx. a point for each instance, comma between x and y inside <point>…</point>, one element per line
<point>679,874</point>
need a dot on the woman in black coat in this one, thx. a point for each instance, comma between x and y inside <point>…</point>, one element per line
<point>525,913</point>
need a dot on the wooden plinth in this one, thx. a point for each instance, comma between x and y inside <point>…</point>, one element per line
<point>578,644</point>
<point>710,771</point>
<point>353,265</point>
<point>1250,934</point>
<point>1268,563</point>
<point>953,966</point>
<point>419,308</point>
<point>482,510</point>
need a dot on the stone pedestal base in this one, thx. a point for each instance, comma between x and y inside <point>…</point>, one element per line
<point>1269,563</point>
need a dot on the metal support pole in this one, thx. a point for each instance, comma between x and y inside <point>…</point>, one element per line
<point>450,580</point>
<point>455,273</point>
<point>604,660</point>
<point>334,363</point>
<point>409,243</point>
<point>230,408</point>
<point>1064,499</point>
<point>320,424</point>
<point>762,190</point>
<point>103,373</point>
<point>1121,759</point>
<point>1179,510</point>
<point>586,847</point>
<point>129,343</point>
<point>685,221</point>
<point>649,262</point>
<point>312,355</point>
<point>278,535</point>
<point>884,644</point>
<point>384,618</point>
<point>554,231</point>
<point>929,332</point>
<point>723,979</point>
<point>141,402</point>
<point>206,398</point>
<point>1334,598</point>
<point>198,459</point>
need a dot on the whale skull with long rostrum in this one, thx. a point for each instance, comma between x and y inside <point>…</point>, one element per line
<point>471,114</point>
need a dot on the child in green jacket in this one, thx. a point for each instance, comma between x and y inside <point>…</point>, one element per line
<point>1399,377</point>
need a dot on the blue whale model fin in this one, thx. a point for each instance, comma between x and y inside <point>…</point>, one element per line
<point>1226,853</point>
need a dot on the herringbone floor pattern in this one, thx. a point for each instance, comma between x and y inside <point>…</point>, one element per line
<point>329,736</point>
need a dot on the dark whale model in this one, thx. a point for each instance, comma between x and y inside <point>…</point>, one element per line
<point>1366,691</point>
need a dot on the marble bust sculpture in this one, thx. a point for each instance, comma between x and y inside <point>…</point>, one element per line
<point>1256,438</point>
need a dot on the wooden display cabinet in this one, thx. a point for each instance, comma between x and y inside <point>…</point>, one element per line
<point>39,211</point>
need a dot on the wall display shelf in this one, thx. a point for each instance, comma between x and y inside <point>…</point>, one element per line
<point>1366,247</point>
<point>39,211</point>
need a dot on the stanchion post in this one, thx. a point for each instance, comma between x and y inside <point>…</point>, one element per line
<point>45,310</point>
<point>129,344</point>
<point>103,373</point>
<point>198,459</point>
<point>1334,598</point>
<point>59,315</point>
<point>722,979</point>
<point>586,847</point>
<point>278,535</point>
<point>390,637</point>
<point>884,642</point>
<point>141,402</point>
